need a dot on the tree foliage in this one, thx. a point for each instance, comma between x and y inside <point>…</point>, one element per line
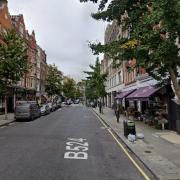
<point>54,81</point>
<point>78,93</point>
<point>69,87</point>
<point>154,28</point>
<point>80,89</point>
<point>13,59</point>
<point>95,86</point>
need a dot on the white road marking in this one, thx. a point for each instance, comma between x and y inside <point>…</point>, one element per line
<point>76,149</point>
<point>76,155</point>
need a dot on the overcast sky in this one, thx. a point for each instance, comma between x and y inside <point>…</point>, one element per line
<point>63,29</point>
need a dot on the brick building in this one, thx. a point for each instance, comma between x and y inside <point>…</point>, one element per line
<point>19,26</point>
<point>5,23</point>
<point>120,79</point>
<point>29,80</point>
<point>33,83</point>
<point>5,20</point>
<point>42,70</point>
<point>115,77</point>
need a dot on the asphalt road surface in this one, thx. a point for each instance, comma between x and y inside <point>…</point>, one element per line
<point>69,144</point>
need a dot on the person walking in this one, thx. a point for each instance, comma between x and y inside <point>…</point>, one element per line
<point>100,106</point>
<point>117,111</point>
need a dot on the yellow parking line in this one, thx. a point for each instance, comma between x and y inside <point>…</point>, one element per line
<point>125,151</point>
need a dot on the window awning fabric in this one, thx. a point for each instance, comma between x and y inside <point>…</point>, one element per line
<point>124,94</point>
<point>143,93</point>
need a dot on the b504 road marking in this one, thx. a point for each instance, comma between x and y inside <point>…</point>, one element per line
<point>125,151</point>
<point>76,149</point>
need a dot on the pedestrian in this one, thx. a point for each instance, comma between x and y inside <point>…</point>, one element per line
<point>100,107</point>
<point>117,111</point>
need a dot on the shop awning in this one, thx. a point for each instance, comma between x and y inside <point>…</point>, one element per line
<point>143,93</point>
<point>124,94</point>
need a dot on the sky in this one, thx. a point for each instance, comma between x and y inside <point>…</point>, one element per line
<point>63,29</point>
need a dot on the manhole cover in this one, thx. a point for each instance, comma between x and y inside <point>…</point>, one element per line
<point>147,151</point>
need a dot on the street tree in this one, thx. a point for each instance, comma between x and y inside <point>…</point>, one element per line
<point>90,91</point>
<point>80,89</point>
<point>53,81</point>
<point>69,87</point>
<point>95,87</point>
<point>78,93</point>
<point>13,61</point>
<point>154,35</point>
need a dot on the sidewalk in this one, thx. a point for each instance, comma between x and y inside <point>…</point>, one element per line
<point>159,150</point>
<point>4,122</point>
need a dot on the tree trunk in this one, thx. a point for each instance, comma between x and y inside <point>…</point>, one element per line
<point>175,83</point>
<point>5,103</point>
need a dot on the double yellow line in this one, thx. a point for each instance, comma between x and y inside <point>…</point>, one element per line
<point>125,151</point>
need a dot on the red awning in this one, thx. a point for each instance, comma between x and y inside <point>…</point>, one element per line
<point>143,93</point>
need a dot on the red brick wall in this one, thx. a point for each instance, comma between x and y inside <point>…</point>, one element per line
<point>5,20</point>
<point>129,76</point>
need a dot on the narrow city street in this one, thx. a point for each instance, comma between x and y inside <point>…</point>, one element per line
<point>40,149</point>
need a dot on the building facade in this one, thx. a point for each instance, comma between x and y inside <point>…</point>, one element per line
<point>34,80</point>
<point>5,19</point>
<point>5,24</point>
<point>32,85</point>
<point>133,88</point>
<point>124,77</point>
<point>42,71</point>
<point>115,78</point>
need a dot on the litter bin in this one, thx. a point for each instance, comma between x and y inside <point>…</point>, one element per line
<point>131,129</point>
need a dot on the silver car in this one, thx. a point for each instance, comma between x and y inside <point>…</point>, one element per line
<point>45,109</point>
<point>27,110</point>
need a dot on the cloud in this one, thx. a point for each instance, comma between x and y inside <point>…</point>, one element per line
<point>63,30</point>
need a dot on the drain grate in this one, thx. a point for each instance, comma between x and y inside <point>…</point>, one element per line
<point>147,151</point>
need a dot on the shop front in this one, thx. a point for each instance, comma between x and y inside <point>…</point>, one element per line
<point>121,97</point>
<point>20,93</point>
<point>31,94</point>
<point>151,105</point>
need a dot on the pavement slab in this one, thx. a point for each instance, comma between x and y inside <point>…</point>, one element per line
<point>10,119</point>
<point>171,137</point>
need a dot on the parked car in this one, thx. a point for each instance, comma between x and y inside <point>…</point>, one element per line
<point>76,101</point>
<point>93,104</point>
<point>54,106</point>
<point>69,102</point>
<point>50,106</point>
<point>45,109</point>
<point>27,110</point>
<point>59,103</point>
